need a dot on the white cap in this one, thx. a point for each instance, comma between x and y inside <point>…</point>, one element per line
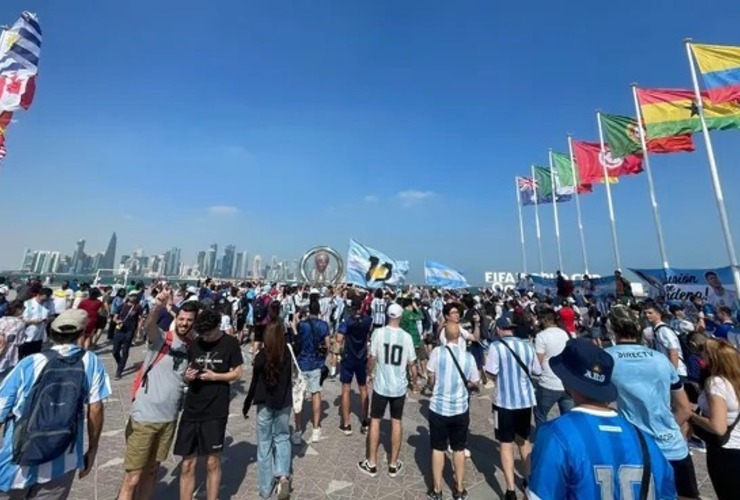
<point>314,291</point>
<point>395,311</point>
<point>3,290</point>
<point>192,289</point>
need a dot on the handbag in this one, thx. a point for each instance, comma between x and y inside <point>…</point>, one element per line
<point>299,384</point>
<point>713,440</point>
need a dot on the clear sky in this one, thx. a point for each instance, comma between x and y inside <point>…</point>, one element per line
<point>399,123</point>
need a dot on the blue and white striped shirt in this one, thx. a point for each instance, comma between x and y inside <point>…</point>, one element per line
<point>13,393</point>
<point>450,396</point>
<point>514,390</point>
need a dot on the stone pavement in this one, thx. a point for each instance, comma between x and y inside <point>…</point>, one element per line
<point>324,470</point>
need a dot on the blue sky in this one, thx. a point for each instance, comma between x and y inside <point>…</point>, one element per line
<point>401,124</point>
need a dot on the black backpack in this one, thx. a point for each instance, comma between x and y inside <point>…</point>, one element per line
<point>52,412</point>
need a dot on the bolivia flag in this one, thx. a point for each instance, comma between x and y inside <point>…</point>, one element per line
<point>720,68</point>
<point>591,162</point>
<point>667,112</point>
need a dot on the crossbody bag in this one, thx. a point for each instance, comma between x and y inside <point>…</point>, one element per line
<point>519,362</point>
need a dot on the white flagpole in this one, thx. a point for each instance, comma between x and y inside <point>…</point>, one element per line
<point>649,172</point>
<point>521,223</point>
<point>555,212</point>
<point>724,220</point>
<point>612,217</point>
<point>537,221</point>
<point>578,205</point>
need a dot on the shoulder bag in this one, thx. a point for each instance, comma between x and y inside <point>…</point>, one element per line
<point>519,361</point>
<point>299,384</point>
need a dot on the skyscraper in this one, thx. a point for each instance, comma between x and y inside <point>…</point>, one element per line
<point>109,258</point>
<point>211,256</point>
<point>238,265</point>
<point>257,267</point>
<point>78,257</point>
<point>227,263</point>
<point>244,268</point>
<point>201,262</point>
<point>172,262</point>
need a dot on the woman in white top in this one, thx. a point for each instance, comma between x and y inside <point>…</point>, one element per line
<point>719,417</point>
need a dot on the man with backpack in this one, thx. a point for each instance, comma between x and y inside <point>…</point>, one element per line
<point>157,395</point>
<point>42,449</point>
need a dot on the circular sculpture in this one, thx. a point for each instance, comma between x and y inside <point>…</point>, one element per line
<point>322,266</point>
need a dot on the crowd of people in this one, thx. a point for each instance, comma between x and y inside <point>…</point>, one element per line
<point>639,385</point>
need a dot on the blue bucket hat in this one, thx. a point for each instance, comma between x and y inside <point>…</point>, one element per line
<point>587,369</point>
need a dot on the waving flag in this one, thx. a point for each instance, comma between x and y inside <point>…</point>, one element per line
<point>720,69</point>
<point>20,46</point>
<point>3,152</point>
<point>527,188</point>
<point>590,162</point>
<point>439,275</point>
<point>370,268</point>
<point>17,90</point>
<point>565,175</point>
<point>623,136</point>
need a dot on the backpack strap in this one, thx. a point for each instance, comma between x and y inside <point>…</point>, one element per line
<point>142,376</point>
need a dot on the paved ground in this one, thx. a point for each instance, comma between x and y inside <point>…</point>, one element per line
<point>325,470</point>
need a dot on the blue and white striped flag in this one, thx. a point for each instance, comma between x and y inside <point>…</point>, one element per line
<point>20,46</point>
<point>370,268</point>
<point>437,274</point>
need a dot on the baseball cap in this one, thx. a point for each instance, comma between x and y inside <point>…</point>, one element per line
<point>314,291</point>
<point>192,289</point>
<point>70,320</point>
<point>505,323</point>
<point>587,369</point>
<point>133,292</point>
<point>3,290</point>
<point>395,311</point>
<point>675,307</point>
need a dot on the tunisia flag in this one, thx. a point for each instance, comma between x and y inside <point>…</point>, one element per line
<point>17,89</point>
<point>591,162</point>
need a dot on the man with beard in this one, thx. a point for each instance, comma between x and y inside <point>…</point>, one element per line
<point>215,360</point>
<point>157,394</point>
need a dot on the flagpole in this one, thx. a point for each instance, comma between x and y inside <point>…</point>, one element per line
<point>555,211</point>
<point>578,204</point>
<point>537,221</point>
<point>521,223</point>
<point>612,217</point>
<point>649,172</point>
<point>724,220</point>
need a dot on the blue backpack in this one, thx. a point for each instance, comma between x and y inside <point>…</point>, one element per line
<point>52,412</point>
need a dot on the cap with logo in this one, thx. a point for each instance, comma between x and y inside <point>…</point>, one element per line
<point>586,369</point>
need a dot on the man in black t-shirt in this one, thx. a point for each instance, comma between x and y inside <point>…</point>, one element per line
<point>215,360</point>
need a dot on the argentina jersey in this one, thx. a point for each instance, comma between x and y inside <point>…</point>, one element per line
<point>514,390</point>
<point>595,454</point>
<point>450,395</point>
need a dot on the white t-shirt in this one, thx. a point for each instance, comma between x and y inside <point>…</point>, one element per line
<point>550,342</point>
<point>720,386</point>
<point>62,299</point>
<point>225,324</point>
<point>464,336</point>
<point>666,340</point>
<point>393,350</point>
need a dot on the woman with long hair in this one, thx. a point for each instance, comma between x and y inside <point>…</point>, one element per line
<point>720,412</point>
<point>271,391</point>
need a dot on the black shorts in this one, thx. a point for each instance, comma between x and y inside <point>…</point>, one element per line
<point>200,438</point>
<point>379,403</point>
<point>685,477</point>
<point>452,430</point>
<point>511,423</point>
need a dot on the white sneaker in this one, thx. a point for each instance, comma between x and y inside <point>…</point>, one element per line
<point>316,435</point>
<point>297,438</point>
<point>466,452</point>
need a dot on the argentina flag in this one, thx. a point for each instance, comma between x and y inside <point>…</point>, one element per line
<point>439,275</point>
<point>369,268</point>
<point>20,46</point>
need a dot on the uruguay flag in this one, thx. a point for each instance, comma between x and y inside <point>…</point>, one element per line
<point>439,275</point>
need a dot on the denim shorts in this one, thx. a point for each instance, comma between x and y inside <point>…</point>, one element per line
<point>313,379</point>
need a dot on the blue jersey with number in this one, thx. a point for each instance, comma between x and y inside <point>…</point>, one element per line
<point>589,454</point>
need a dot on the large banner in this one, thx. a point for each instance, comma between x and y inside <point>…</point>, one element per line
<point>716,286</point>
<point>600,287</point>
<point>370,268</point>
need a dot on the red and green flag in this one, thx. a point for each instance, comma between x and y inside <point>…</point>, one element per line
<point>591,162</point>
<point>623,136</point>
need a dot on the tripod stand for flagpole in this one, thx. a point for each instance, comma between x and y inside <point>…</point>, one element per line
<point>649,172</point>
<point>554,185</point>
<point>719,196</point>
<point>537,222</point>
<point>577,183</point>
<point>521,224</point>
<point>612,217</point>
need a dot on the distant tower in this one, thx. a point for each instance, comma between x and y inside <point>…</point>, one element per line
<point>109,259</point>
<point>257,267</point>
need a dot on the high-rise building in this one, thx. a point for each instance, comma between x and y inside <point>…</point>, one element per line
<point>78,257</point>
<point>257,267</point>
<point>172,262</point>
<point>238,264</point>
<point>211,257</point>
<point>45,262</point>
<point>27,263</point>
<point>227,262</point>
<point>109,258</point>
<point>201,262</point>
<point>244,269</point>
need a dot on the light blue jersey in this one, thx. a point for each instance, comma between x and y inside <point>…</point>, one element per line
<point>450,395</point>
<point>14,391</point>
<point>644,378</point>
<point>591,455</point>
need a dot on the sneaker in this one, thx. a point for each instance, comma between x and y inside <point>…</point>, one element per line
<point>466,452</point>
<point>283,490</point>
<point>434,495</point>
<point>346,429</point>
<point>367,469</point>
<point>459,495</point>
<point>316,435</point>
<point>696,444</point>
<point>365,427</point>
<point>510,495</point>
<point>297,438</point>
<point>394,470</point>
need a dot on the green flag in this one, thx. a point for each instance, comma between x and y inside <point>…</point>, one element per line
<point>564,173</point>
<point>544,182</point>
<point>623,137</point>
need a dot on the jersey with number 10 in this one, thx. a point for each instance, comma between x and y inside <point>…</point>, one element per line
<point>589,454</point>
<point>393,350</point>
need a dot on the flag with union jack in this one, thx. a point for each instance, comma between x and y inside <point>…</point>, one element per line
<point>528,193</point>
